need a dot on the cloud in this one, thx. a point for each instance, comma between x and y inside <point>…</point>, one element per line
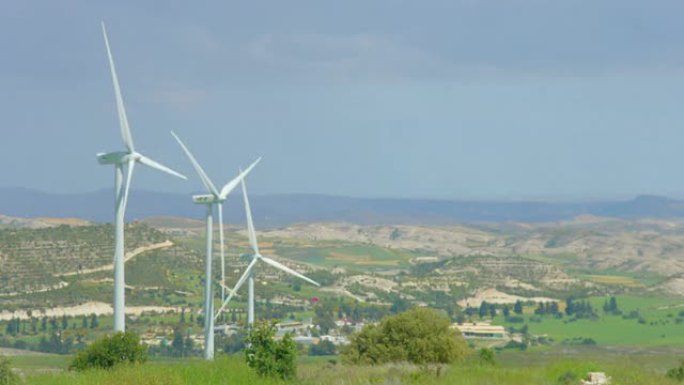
<point>341,57</point>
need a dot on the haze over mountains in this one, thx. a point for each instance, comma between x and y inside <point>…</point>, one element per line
<point>286,209</point>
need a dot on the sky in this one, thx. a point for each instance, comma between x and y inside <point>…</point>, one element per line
<point>458,99</point>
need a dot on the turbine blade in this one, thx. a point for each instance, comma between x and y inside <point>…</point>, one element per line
<point>251,233</point>
<point>121,110</point>
<point>230,186</point>
<point>229,290</point>
<point>158,166</point>
<point>203,176</point>
<point>239,284</point>
<point>129,177</point>
<point>286,269</point>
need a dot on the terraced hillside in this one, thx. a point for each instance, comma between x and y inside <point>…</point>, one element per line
<point>37,259</point>
<point>587,256</point>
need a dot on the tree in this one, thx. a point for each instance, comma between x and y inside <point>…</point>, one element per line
<point>399,305</point>
<point>487,357</point>
<point>323,348</point>
<point>611,306</point>
<point>506,311</point>
<point>518,308</point>
<point>569,306</point>
<point>94,321</point>
<point>483,309</point>
<point>420,336</point>
<point>178,344</point>
<point>7,376</point>
<point>188,344</point>
<point>268,356</point>
<point>553,308</point>
<point>676,373</point>
<point>120,348</point>
<point>323,317</point>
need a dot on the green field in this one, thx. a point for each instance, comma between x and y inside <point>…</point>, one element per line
<point>348,255</point>
<point>513,369</point>
<point>659,327</point>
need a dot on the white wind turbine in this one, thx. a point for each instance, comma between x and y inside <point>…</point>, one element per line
<point>120,158</point>
<point>215,197</point>
<point>256,257</point>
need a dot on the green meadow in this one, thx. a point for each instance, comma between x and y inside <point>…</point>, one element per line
<point>659,323</point>
<point>348,255</point>
<point>233,370</point>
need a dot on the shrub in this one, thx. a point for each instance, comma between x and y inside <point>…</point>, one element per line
<point>568,378</point>
<point>515,345</point>
<point>7,376</point>
<point>268,356</point>
<point>677,373</point>
<point>122,347</point>
<point>420,336</point>
<point>323,348</point>
<point>487,357</point>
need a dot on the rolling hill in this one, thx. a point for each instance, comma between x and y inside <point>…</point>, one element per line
<point>286,209</point>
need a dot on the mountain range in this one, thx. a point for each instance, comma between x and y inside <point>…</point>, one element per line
<point>285,209</point>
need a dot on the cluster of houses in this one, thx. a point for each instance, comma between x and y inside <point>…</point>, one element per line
<point>304,332</point>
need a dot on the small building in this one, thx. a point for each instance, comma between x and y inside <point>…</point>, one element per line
<point>474,330</point>
<point>294,327</point>
<point>227,329</point>
<point>336,340</point>
<point>306,340</point>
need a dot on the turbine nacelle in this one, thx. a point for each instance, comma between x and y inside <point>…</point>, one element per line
<point>116,157</point>
<point>206,199</point>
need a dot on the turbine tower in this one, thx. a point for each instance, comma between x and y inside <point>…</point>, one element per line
<point>248,275</point>
<point>217,198</point>
<point>129,157</point>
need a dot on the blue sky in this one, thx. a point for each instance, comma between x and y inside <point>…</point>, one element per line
<point>460,99</point>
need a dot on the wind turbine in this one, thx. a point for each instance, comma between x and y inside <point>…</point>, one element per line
<point>215,197</point>
<point>248,275</point>
<point>129,157</point>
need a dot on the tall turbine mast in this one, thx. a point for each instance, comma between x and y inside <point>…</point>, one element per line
<point>129,157</point>
<point>214,198</point>
<point>248,275</point>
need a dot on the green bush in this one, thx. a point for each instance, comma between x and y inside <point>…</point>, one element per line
<point>7,377</point>
<point>487,357</point>
<point>677,373</point>
<point>420,336</point>
<point>122,347</point>
<point>323,348</point>
<point>270,357</point>
<point>568,378</point>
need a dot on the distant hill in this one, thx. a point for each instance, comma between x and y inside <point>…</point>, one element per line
<point>285,209</point>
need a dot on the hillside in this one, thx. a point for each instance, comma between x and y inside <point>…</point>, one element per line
<point>584,254</point>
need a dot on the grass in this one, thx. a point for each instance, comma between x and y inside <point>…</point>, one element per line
<point>40,362</point>
<point>615,280</point>
<point>233,370</point>
<point>348,256</point>
<point>660,327</point>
